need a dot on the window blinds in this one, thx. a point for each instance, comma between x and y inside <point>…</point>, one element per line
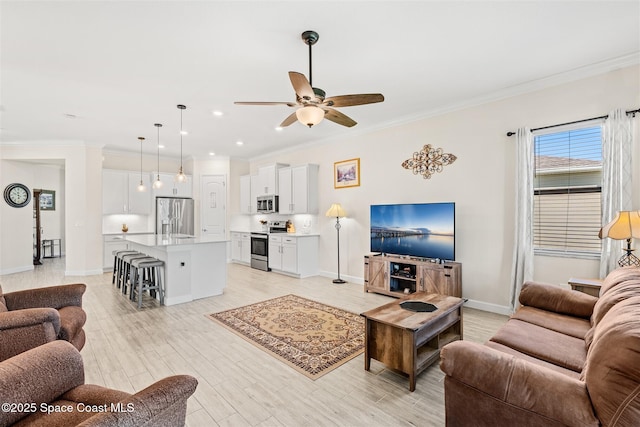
<point>567,184</point>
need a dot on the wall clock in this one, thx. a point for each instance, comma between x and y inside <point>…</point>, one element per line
<point>17,195</point>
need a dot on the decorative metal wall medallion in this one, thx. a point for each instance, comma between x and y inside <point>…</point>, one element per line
<point>428,161</point>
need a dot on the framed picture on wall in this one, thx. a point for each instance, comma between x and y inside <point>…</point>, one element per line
<point>47,200</point>
<point>346,173</point>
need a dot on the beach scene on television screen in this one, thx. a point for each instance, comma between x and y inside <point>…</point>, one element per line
<point>419,230</point>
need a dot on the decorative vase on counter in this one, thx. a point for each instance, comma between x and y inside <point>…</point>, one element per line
<point>125,228</point>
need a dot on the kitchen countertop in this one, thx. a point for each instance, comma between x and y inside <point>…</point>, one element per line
<point>128,233</point>
<point>281,234</point>
<point>172,240</point>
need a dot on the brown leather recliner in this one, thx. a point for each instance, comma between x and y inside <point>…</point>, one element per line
<point>45,386</point>
<point>33,317</point>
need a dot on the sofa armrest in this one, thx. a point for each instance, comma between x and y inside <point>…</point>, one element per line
<point>556,299</point>
<point>516,382</point>
<point>23,330</point>
<point>38,376</point>
<point>162,404</point>
<point>52,296</point>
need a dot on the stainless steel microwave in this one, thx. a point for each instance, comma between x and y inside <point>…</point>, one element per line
<point>267,204</point>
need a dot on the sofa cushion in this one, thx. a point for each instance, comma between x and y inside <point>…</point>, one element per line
<point>617,276</point>
<point>612,371</point>
<point>544,344</point>
<point>568,325</point>
<point>557,299</point>
<point>539,362</point>
<point>622,290</point>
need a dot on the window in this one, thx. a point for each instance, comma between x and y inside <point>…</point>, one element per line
<point>567,186</point>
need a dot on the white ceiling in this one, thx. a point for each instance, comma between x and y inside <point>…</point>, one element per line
<point>121,66</point>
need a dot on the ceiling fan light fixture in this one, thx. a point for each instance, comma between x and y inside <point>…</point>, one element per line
<point>310,115</point>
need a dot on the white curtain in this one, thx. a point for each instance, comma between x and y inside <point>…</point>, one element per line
<point>522,269</point>
<point>616,180</point>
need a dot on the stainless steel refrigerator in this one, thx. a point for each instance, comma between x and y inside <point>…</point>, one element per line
<point>174,215</point>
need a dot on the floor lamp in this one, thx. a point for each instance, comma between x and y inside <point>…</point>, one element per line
<point>336,211</point>
<point>625,225</point>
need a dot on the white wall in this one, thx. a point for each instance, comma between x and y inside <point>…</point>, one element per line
<point>16,237</point>
<point>480,182</point>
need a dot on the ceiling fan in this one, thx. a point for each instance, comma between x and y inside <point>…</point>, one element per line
<point>313,106</point>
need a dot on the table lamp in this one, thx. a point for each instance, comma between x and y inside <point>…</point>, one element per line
<point>336,211</point>
<point>625,225</point>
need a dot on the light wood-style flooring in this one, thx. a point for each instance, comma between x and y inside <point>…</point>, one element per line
<point>240,385</point>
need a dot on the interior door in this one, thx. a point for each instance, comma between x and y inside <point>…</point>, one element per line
<point>213,207</point>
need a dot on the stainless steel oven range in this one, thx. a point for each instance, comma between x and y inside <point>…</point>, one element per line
<point>260,251</point>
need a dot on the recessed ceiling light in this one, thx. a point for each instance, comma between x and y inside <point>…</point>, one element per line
<point>160,146</point>
<point>279,128</point>
<point>218,113</point>
<point>184,132</point>
<point>239,143</point>
<point>212,153</point>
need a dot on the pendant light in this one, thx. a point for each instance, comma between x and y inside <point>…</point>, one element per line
<point>141,186</point>
<point>181,177</point>
<point>157,183</point>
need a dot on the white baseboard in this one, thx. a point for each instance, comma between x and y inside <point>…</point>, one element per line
<point>486,306</point>
<point>334,275</point>
<point>16,269</point>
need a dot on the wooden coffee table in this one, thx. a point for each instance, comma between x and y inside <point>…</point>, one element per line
<point>409,341</point>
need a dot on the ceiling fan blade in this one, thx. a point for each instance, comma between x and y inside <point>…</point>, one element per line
<point>289,120</point>
<point>350,100</point>
<point>339,118</point>
<point>301,86</point>
<point>290,104</point>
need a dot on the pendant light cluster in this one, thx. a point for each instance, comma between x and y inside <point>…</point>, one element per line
<point>157,183</point>
<point>180,176</point>
<point>141,186</point>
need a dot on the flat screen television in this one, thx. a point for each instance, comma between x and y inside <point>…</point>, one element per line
<point>421,230</point>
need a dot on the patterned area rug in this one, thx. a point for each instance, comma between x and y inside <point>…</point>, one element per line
<point>311,337</point>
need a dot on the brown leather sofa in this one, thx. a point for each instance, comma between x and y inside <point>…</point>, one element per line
<point>563,359</point>
<point>45,386</point>
<point>33,317</point>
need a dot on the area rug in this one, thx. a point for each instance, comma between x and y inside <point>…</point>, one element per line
<point>311,337</point>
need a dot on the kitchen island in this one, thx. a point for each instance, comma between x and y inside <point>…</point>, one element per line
<point>194,267</point>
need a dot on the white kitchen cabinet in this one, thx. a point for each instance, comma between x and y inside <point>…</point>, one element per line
<point>298,189</point>
<point>241,247</point>
<point>266,182</point>
<point>171,188</point>
<point>120,193</point>
<point>111,243</point>
<point>293,255</point>
<point>247,202</point>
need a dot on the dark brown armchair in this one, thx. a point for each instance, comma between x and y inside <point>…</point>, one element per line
<point>45,386</point>
<point>33,317</point>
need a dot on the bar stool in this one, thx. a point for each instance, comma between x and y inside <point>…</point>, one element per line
<point>151,267</point>
<point>117,264</point>
<point>124,275</point>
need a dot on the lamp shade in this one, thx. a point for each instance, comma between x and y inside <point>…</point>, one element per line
<point>336,211</point>
<point>625,225</point>
<point>310,115</point>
